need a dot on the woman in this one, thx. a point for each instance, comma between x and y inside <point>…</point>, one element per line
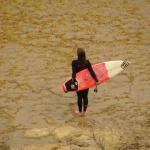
<point>78,65</point>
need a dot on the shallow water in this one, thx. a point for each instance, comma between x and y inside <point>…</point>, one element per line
<point>38,42</point>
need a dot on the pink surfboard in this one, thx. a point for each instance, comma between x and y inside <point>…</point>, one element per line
<point>104,71</point>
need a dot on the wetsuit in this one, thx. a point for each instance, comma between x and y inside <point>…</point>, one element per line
<point>83,94</point>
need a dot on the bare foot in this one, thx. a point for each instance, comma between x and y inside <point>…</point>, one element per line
<point>78,113</point>
<point>85,113</point>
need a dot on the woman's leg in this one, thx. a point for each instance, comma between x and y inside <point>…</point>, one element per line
<point>79,94</point>
<point>85,99</point>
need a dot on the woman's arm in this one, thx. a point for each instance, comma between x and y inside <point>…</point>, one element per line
<point>92,71</point>
<point>73,70</point>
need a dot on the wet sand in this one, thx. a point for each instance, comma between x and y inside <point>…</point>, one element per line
<point>38,40</point>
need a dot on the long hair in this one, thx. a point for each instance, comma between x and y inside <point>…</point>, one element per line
<point>81,55</point>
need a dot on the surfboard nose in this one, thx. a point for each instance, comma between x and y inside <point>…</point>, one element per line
<point>125,64</point>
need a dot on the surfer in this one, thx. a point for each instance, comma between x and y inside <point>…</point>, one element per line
<point>77,65</point>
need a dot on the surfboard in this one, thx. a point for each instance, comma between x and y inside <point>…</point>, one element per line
<point>104,72</point>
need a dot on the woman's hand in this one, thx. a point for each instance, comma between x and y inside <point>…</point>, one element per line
<point>72,86</point>
<point>95,89</point>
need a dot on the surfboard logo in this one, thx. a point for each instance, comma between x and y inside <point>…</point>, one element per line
<point>125,64</point>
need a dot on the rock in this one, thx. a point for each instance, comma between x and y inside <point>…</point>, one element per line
<point>65,131</point>
<point>74,136</point>
<point>108,138</point>
<point>82,140</point>
<point>37,133</point>
<point>45,147</point>
<point>50,120</point>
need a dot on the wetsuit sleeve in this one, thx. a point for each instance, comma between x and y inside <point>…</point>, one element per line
<point>73,70</point>
<point>92,71</point>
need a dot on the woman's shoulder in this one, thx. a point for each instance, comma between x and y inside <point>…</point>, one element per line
<point>74,61</point>
<point>88,62</point>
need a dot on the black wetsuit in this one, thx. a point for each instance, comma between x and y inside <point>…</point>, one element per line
<point>82,95</point>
